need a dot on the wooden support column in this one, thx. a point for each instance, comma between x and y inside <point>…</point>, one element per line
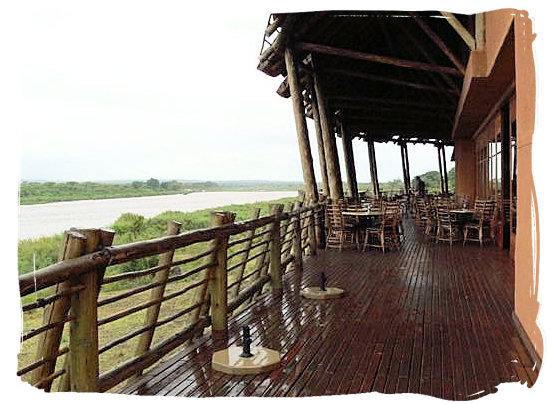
<point>320,142</point>
<point>350,162</point>
<point>441,180</point>
<point>275,251</point>
<point>297,239</point>
<point>505,176</point>
<point>406,182</point>
<point>301,127</point>
<point>218,283</point>
<point>373,169</point>
<point>157,293</point>
<point>329,140</point>
<point>445,177</point>
<point>407,165</point>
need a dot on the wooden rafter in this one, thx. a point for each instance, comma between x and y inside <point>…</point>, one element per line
<point>373,77</point>
<point>428,57</point>
<point>386,101</point>
<point>369,57</point>
<point>460,30</point>
<point>438,41</point>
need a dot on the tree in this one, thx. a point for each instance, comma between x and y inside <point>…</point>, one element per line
<point>153,183</point>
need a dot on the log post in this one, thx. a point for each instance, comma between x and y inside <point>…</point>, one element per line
<point>406,179</point>
<point>157,293</point>
<point>311,230</point>
<point>350,162</point>
<point>406,150</point>
<point>85,361</point>
<point>441,180</point>
<point>275,251</point>
<point>329,141</point>
<point>445,178</point>
<point>301,126</point>
<point>320,143</point>
<point>218,283</point>
<point>297,239</point>
<point>74,245</point>
<point>373,169</point>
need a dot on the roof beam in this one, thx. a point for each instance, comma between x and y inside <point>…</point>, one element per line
<point>397,82</point>
<point>438,41</point>
<point>369,57</point>
<point>428,57</point>
<point>388,101</point>
<point>460,30</point>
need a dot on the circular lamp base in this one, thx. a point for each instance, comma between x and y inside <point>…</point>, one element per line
<point>228,361</point>
<point>315,292</point>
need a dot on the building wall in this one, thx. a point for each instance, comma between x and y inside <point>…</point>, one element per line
<point>525,242</point>
<point>465,168</point>
<point>527,235</point>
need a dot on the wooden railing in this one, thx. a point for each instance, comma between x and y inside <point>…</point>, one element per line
<point>112,311</point>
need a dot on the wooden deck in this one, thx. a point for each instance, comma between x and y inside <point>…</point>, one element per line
<point>427,319</point>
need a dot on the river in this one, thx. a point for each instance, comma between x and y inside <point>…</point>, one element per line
<point>52,218</point>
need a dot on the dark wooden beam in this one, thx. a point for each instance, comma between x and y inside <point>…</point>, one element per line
<point>439,42</point>
<point>387,101</point>
<point>440,169</point>
<point>397,82</point>
<point>369,57</point>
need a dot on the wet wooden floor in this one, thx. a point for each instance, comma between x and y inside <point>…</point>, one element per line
<point>426,319</point>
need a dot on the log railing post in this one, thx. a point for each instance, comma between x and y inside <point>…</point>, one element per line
<point>83,364</point>
<point>297,240</point>
<point>49,341</point>
<point>218,283</point>
<point>157,293</point>
<point>312,237</point>
<point>275,250</point>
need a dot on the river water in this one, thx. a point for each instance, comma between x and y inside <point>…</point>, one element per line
<point>52,218</point>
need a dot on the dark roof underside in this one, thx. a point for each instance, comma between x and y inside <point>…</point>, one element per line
<point>375,99</point>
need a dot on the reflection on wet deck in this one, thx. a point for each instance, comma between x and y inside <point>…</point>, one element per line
<point>426,319</point>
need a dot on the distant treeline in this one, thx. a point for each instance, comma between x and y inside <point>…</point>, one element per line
<point>44,192</point>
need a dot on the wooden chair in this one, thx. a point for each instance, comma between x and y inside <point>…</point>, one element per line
<point>483,223</point>
<point>382,234</point>
<point>339,231</point>
<point>447,230</point>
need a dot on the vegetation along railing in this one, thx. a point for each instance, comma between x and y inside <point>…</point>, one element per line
<point>110,312</point>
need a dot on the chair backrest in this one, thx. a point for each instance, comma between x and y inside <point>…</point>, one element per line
<point>334,215</point>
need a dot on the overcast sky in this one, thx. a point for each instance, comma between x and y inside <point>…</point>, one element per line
<point>128,91</point>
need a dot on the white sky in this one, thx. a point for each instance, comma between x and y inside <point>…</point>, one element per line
<point>132,92</point>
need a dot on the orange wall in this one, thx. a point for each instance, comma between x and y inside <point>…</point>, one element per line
<point>465,168</point>
<point>527,237</point>
<point>497,25</point>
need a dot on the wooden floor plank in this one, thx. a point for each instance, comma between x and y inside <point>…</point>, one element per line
<point>428,318</point>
